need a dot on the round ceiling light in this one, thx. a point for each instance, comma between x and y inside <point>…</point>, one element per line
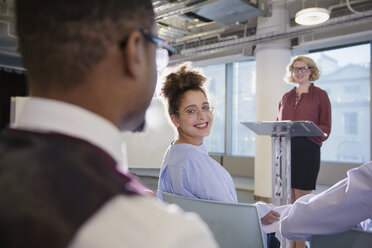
<point>312,16</point>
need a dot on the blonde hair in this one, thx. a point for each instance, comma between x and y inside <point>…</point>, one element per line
<point>315,73</point>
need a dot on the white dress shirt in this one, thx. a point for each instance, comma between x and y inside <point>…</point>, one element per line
<point>123,221</point>
<point>45,115</point>
<point>338,209</point>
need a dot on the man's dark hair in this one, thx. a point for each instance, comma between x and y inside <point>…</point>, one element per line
<point>62,40</point>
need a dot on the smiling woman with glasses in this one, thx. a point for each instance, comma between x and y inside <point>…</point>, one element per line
<point>163,52</point>
<point>188,105</point>
<point>305,102</point>
<point>187,169</point>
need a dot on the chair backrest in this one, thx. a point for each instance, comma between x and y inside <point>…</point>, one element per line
<point>233,225</point>
<point>348,239</point>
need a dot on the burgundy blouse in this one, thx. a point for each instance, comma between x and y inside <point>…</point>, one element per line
<point>313,106</point>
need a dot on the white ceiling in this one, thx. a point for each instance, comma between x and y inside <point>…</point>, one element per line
<point>178,21</point>
<point>211,28</point>
<point>201,29</point>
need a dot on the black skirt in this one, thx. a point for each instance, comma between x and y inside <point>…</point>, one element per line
<point>305,163</point>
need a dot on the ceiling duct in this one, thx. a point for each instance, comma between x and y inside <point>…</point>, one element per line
<point>229,11</point>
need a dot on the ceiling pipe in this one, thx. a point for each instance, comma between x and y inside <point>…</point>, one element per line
<point>168,32</point>
<point>181,8</point>
<point>200,25</point>
<point>217,32</point>
<point>331,8</point>
<point>350,8</point>
<point>291,33</point>
<point>161,6</point>
<point>169,28</point>
<point>206,34</point>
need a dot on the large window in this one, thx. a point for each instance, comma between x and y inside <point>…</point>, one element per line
<point>216,89</point>
<point>351,123</point>
<point>244,107</point>
<point>345,75</point>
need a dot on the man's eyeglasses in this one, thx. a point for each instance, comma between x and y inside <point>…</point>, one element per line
<point>163,52</point>
<point>300,69</point>
<point>193,112</point>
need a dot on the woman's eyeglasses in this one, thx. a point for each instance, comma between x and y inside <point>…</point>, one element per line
<point>193,112</point>
<point>300,69</point>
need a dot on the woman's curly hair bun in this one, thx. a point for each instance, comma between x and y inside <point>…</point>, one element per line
<point>182,79</point>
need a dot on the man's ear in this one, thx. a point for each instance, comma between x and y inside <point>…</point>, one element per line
<point>176,120</point>
<point>134,54</point>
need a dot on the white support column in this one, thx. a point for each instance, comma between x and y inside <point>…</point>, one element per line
<point>271,61</point>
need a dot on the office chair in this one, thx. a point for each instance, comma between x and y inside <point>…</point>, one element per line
<point>349,239</point>
<point>234,225</point>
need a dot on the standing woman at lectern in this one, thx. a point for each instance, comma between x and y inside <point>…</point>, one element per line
<point>305,102</point>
